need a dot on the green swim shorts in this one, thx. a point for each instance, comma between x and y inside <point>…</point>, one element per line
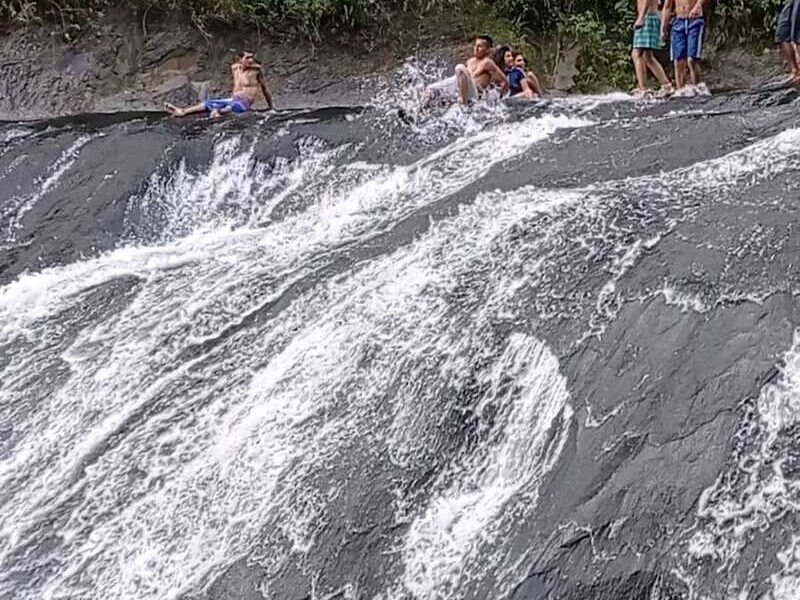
<point>648,37</point>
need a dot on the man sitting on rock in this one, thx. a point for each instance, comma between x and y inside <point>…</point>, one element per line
<point>248,80</point>
<point>468,82</point>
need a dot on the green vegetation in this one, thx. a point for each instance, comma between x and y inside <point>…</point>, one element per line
<point>601,28</point>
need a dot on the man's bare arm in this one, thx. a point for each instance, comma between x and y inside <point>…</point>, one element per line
<point>527,89</point>
<point>666,17</point>
<point>262,81</point>
<point>641,11</point>
<point>697,10</point>
<point>498,74</point>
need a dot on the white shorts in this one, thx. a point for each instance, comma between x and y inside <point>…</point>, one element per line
<point>447,89</point>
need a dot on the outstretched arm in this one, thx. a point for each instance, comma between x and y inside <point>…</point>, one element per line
<point>262,81</point>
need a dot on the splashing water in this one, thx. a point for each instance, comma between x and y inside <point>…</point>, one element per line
<point>345,372</point>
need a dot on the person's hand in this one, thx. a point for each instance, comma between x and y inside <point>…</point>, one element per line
<point>639,23</point>
<point>697,11</point>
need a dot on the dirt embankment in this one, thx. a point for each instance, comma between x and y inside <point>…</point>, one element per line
<point>131,64</point>
<point>125,66</point>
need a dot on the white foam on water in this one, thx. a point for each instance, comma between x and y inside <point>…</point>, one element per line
<point>338,217</point>
<point>588,102</point>
<point>683,300</point>
<point>15,133</point>
<point>466,513</point>
<point>238,190</point>
<point>151,465</point>
<point>150,444</point>
<point>786,583</point>
<point>756,493</point>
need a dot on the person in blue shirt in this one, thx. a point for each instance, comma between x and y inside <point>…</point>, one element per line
<point>521,81</point>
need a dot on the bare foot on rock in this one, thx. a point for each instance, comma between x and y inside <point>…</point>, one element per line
<point>173,110</point>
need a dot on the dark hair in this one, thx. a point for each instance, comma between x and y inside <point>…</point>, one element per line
<point>499,56</point>
<point>516,55</point>
<point>489,41</point>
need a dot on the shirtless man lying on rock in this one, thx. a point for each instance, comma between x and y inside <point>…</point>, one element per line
<point>248,80</point>
<point>468,82</point>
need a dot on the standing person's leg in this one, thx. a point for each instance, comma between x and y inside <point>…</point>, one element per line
<point>680,50</point>
<point>789,52</point>
<point>796,64</point>
<point>794,38</point>
<point>697,32</point>
<point>640,68</point>
<point>658,71</point>
<point>783,37</point>
<point>680,74</point>
<point>695,72</point>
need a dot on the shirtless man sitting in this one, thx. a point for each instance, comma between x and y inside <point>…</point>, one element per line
<point>248,80</point>
<point>688,32</point>
<point>468,82</point>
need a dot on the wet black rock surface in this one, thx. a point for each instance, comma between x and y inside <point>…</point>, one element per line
<point>655,256</point>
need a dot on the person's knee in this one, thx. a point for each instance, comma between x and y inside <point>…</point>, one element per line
<point>461,70</point>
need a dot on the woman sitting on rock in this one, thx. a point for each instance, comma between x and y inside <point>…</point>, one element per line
<point>520,80</point>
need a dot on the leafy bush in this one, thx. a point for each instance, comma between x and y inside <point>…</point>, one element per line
<point>601,27</point>
<point>745,21</point>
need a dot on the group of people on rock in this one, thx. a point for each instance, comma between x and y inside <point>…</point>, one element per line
<point>504,73</point>
<point>683,21</point>
<point>489,70</point>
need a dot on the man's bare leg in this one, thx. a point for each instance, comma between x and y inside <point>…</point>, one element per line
<point>789,52</point>
<point>182,112</point>
<point>463,82</point>
<point>695,71</point>
<point>796,48</point>
<point>218,112</point>
<point>680,74</point>
<point>657,70</point>
<point>640,67</point>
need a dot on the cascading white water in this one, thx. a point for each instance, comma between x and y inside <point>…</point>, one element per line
<point>152,466</point>
<point>153,436</point>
